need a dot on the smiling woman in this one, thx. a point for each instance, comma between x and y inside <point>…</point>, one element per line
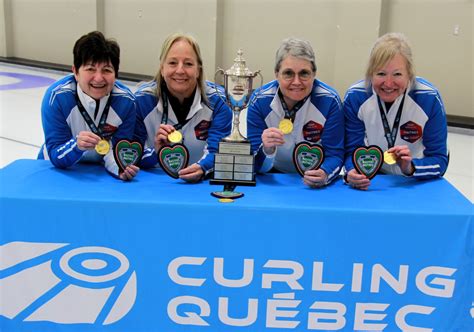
<point>400,113</point>
<point>180,107</point>
<point>95,79</point>
<point>294,111</point>
<point>87,113</point>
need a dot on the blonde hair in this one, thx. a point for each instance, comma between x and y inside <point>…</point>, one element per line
<point>385,49</point>
<point>165,49</point>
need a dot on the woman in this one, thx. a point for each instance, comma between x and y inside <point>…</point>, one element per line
<point>179,99</point>
<point>402,114</point>
<point>309,107</point>
<point>85,114</point>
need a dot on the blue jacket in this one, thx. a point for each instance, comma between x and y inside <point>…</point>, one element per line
<point>320,120</point>
<point>422,127</point>
<point>208,123</point>
<point>62,122</point>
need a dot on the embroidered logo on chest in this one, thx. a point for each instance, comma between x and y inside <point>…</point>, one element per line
<point>201,130</point>
<point>312,131</point>
<point>411,132</point>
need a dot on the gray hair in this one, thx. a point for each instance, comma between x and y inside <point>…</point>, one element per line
<point>298,48</point>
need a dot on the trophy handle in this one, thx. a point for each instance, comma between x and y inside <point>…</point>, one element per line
<point>261,77</point>
<point>219,94</point>
<point>253,89</point>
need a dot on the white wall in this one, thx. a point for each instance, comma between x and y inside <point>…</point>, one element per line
<point>46,30</point>
<point>3,39</point>
<point>341,32</point>
<point>441,34</point>
<point>141,26</point>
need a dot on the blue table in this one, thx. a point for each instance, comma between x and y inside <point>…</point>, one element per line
<point>82,250</point>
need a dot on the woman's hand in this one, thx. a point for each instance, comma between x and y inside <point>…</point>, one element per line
<point>315,178</point>
<point>161,137</point>
<point>129,173</point>
<point>193,173</point>
<point>271,138</point>
<point>87,140</point>
<point>357,181</point>
<point>404,159</point>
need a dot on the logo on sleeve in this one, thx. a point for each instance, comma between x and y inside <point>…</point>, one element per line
<point>411,132</point>
<point>312,131</point>
<point>202,130</point>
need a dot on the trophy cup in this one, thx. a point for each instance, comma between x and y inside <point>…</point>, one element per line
<point>234,161</point>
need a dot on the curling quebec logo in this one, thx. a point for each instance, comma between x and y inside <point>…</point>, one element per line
<point>65,284</point>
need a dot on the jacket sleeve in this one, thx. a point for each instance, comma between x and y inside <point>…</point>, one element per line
<point>333,140</point>
<point>354,129</point>
<point>435,160</point>
<point>220,127</point>
<point>60,144</point>
<point>255,126</point>
<point>149,157</point>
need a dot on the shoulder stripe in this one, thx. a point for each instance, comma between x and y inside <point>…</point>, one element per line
<point>67,87</point>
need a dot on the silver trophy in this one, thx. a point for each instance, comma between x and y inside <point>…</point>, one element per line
<point>234,163</point>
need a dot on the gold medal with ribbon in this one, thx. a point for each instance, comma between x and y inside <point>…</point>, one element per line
<point>102,147</point>
<point>286,126</point>
<point>175,137</point>
<point>389,158</point>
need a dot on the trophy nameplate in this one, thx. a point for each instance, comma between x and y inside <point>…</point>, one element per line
<point>234,164</point>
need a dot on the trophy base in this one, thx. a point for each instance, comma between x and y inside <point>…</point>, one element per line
<point>234,164</point>
<point>252,183</point>
<point>227,193</point>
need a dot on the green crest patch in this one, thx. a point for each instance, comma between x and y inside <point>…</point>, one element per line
<point>307,157</point>
<point>127,153</point>
<point>368,160</point>
<point>173,158</point>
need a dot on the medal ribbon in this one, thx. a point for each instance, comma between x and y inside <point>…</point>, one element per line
<point>96,130</point>
<point>391,133</point>
<point>290,114</point>
<point>164,118</point>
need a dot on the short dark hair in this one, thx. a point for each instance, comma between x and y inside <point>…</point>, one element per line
<point>94,47</point>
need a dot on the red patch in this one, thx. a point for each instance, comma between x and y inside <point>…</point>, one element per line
<point>202,130</point>
<point>411,132</point>
<point>312,131</point>
<point>108,130</point>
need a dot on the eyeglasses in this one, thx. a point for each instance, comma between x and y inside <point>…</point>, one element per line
<point>289,75</point>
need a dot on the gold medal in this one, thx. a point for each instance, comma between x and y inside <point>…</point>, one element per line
<point>389,158</point>
<point>175,137</point>
<point>286,126</point>
<point>102,147</point>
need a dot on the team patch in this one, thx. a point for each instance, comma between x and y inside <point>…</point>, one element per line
<point>127,153</point>
<point>411,132</point>
<point>108,130</point>
<point>312,131</point>
<point>201,131</point>
<point>368,160</point>
<point>307,157</point>
<point>172,159</point>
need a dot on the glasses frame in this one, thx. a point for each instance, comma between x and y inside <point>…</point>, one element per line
<point>303,75</point>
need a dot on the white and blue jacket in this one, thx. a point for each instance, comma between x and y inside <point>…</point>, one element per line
<point>422,127</point>
<point>62,122</point>
<point>208,123</point>
<point>320,120</point>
